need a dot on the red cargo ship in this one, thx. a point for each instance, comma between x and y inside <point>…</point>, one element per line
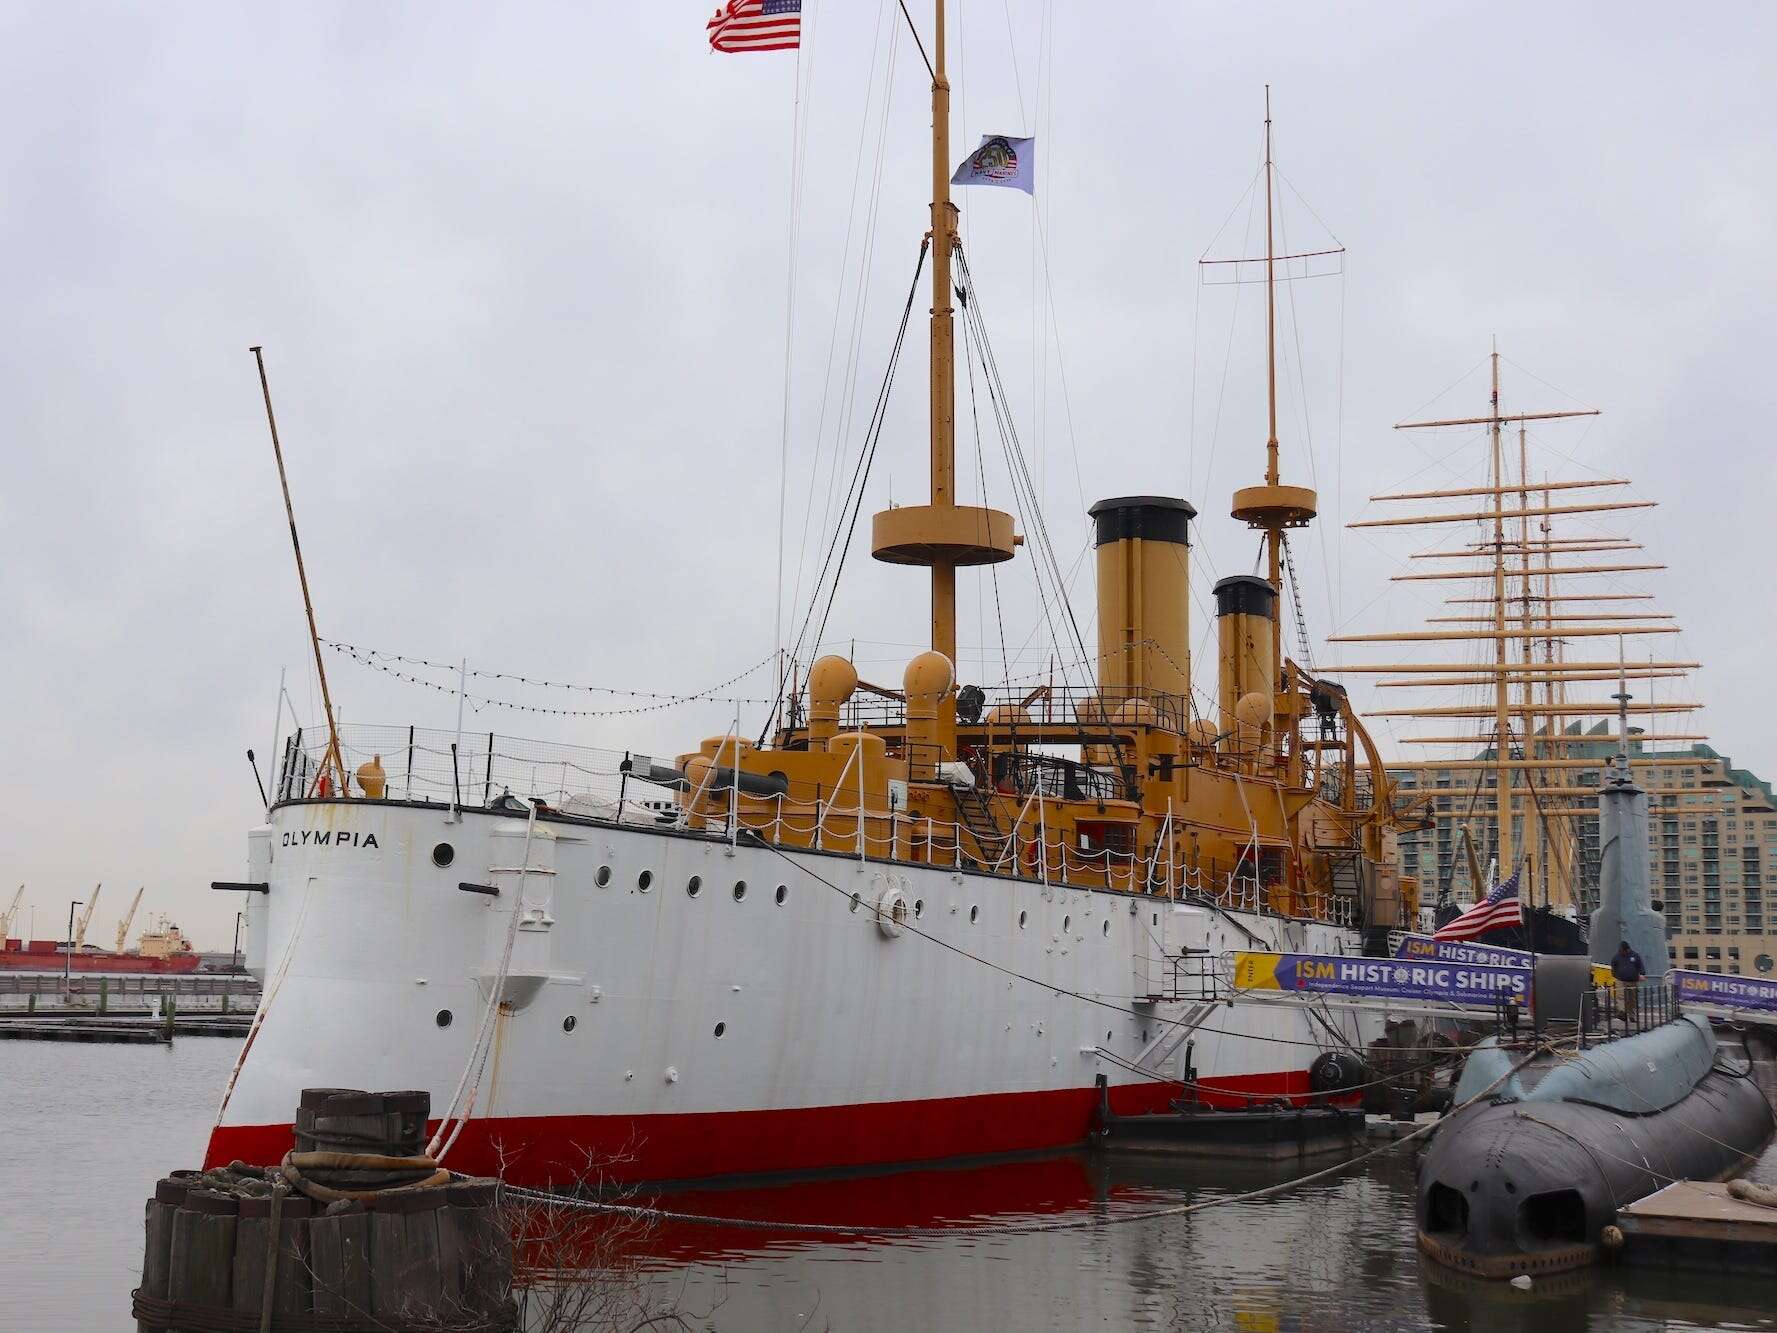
<point>163,949</point>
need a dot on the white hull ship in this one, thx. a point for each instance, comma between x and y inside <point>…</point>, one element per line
<point>770,1028</point>
<point>919,923</point>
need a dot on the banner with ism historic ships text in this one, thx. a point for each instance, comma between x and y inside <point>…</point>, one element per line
<point>1728,991</point>
<point>1382,978</point>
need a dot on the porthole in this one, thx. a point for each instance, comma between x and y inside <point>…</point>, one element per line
<point>783,892</point>
<point>1066,922</point>
<point>1104,928</point>
<point>1763,962</point>
<point>1022,918</point>
<point>603,877</point>
<point>720,1029</point>
<point>645,880</point>
<point>443,854</point>
<point>442,1018</point>
<point>569,1023</point>
<point>1107,1037</point>
<point>856,900</point>
<point>919,908</point>
<point>740,889</point>
<point>974,915</point>
<point>694,886</point>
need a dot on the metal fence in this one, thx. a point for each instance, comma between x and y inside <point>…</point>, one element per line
<point>471,768</point>
<point>476,768</point>
<point>119,985</point>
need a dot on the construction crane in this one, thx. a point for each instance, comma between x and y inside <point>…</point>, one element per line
<point>12,911</point>
<point>86,917</point>
<point>129,916</point>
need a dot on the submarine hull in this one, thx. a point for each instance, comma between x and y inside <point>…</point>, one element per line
<point>1522,1183</point>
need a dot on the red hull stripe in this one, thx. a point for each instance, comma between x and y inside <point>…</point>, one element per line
<point>544,1150</point>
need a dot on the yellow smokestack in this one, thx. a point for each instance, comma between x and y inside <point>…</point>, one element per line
<point>1246,607</point>
<point>1144,596</point>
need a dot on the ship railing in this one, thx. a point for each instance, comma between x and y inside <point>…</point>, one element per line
<point>473,769</point>
<point>1198,976</point>
<point>477,768</point>
<point>1624,1009</point>
<point>1047,707</point>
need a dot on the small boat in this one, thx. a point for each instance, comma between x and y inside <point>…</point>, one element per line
<point>1268,1130</point>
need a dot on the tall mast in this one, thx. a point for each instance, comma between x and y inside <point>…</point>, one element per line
<point>1533,821</point>
<point>1271,471</point>
<point>943,534</point>
<point>1273,535</point>
<point>1502,682</point>
<point>943,342</point>
<point>1273,506</point>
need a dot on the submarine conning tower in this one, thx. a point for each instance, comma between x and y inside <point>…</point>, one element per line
<point>1625,899</point>
<point>1144,596</point>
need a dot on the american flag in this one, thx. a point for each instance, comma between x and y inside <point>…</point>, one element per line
<point>757,25</point>
<point>1499,908</point>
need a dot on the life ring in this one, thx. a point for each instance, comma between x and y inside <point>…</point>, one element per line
<point>891,913</point>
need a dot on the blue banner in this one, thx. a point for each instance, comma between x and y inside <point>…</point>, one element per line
<point>1382,978</point>
<point>1417,948</point>
<point>1729,992</point>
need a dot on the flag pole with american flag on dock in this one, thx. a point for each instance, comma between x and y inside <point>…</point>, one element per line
<point>1502,907</point>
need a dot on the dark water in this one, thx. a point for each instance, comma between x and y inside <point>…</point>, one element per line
<point>85,1130</point>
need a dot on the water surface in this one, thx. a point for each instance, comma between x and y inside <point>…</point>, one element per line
<point>86,1130</point>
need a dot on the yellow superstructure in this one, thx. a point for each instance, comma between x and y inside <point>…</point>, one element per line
<point>1272,797</point>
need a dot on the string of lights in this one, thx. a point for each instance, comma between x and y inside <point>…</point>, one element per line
<point>379,660</point>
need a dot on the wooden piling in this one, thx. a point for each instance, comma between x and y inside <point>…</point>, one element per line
<point>157,1251</point>
<point>407,1281</point>
<point>279,1249</point>
<point>339,1250</point>
<point>200,1261</point>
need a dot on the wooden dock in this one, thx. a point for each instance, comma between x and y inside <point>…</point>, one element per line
<point>1698,1224</point>
<point>58,1030</point>
<point>50,1025</point>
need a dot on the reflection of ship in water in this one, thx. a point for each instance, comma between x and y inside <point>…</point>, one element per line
<point>1337,1254</point>
<point>1036,1243</point>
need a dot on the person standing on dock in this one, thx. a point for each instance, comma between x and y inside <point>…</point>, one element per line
<point>1626,966</point>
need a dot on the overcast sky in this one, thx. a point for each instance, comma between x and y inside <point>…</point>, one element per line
<point>521,274</point>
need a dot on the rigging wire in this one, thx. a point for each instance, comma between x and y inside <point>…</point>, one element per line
<point>840,545</point>
<point>860,303</point>
<point>798,156</point>
<point>981,478</point>
<point>1017,463</point>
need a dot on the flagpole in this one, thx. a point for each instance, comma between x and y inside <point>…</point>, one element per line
<point>333,756</point>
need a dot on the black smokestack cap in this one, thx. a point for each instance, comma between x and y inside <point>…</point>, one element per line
<point>1154,518</point>
<point>1246,594</point>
